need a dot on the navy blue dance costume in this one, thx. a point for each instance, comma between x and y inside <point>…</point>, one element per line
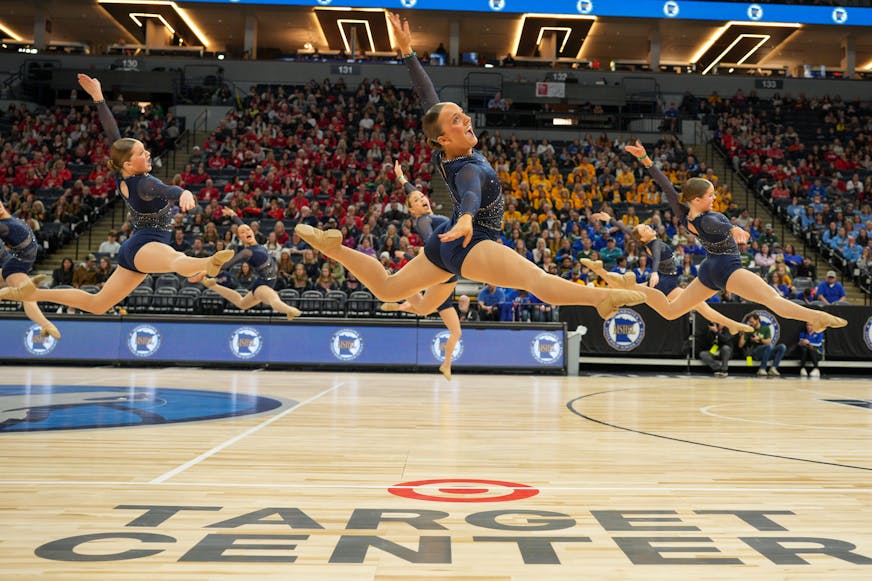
<point>262,263</point>
<point>472,182</point>
<point>430,226</point>
<point>19,249</point>
<point>714,233</point>
<point>148,199</point>
<point>662,260</point>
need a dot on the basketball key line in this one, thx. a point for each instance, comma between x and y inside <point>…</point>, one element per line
<point>179,469</point>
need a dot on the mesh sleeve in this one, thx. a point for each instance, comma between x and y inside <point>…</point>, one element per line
<point>669,190</point>
<point>624,228</point>
<point>241,256</point>
<point>715,224</point>
<point>421,83</point>
<point>468,182</point>
<point>409,187</point>
<point>150,188</point>
<point>656,252</point>
<point>107,120</point>
<point>424,226</point>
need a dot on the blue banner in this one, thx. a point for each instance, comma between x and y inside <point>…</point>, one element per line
<point>349,343</point>
<point>723,11</point>
<point>97,340</point>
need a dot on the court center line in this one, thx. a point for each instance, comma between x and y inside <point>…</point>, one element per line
<point>839,490</point>
<point>179,469</point>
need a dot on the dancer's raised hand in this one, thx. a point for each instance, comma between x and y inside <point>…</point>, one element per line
<point>402,33</point>
<point>637,150</point>
<point>91,86</point>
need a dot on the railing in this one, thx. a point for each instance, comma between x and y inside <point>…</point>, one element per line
<point>9,81</point>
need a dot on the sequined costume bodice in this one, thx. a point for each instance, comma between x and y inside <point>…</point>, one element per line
<point>475,189</point>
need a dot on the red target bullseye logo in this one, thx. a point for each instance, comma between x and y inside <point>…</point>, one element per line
<point>463,490</point>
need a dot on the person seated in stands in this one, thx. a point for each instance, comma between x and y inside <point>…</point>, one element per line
<point>105,268</point>
<point>830,290</point>
<point>465,310</point>
<point>179,244</point>
<point>63,274</point>
<point>110,246</point>
<point>489,299</point>
<point>197,249</point>
<point>86,273</point>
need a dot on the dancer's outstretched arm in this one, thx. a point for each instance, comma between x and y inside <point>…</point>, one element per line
<point>94,89</point>
<point>421,83</point>
<point>638,151</point>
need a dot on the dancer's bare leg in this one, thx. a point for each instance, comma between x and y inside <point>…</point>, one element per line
<point>416,276</point>
<point>748,285</point>
<point>715,317</point>
<point>655,299</point>
<point>31,309</point>
<point>270,297</point>
<point>240,302</point>
<point>158,258</point>
<point>452,323</point>
<point>625,281</point>
<point>119,285</point>
<point>497,264</point>
<point>424,304</point>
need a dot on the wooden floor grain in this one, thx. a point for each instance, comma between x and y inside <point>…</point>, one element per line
<point>633,477</point>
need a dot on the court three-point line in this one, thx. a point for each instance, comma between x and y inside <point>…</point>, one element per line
<point>179,469</point>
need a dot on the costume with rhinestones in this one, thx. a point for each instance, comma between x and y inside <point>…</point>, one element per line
<point>148,198</point>
<point>714,231</point>
<point>19,247</point>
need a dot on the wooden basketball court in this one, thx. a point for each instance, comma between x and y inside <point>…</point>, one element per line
<point>357,476</point>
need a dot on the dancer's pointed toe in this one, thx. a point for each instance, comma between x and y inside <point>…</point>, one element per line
<point>217,260</point>
<point>326,241</point>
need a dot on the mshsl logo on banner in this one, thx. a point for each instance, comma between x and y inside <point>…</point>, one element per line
<point>624,330</point>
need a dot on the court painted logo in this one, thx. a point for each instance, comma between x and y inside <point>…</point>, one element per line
<point>755,12</point>
<point>584,6</point>
<point>624,330</point>
<point>346,344</point>
<point>463,490</point>
<point>546,348</point>
<point>671,9</point>
<point>437,347</point>
<point>497,5</point>
<point>143,341</point>
<point>867,333</point>
<point>29,408</point>
<point>37,344</point>
<point>246,342</point>
<point>768,319</point>
<point>840,15</point>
